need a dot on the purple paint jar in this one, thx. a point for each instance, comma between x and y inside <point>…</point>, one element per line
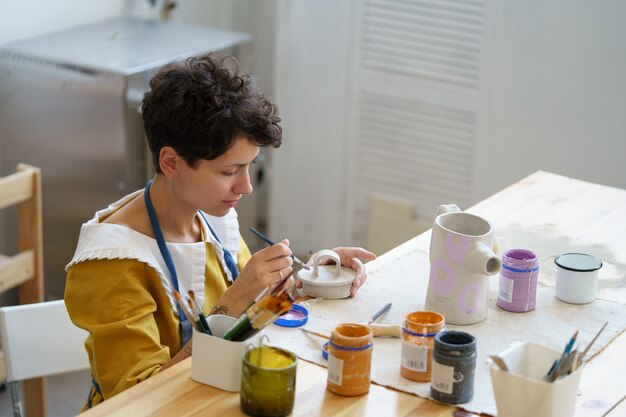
<point>518,281</point>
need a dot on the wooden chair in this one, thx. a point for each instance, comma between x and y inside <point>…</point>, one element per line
<point>25,269</point>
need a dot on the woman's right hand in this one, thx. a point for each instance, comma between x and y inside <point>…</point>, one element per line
<point>266,268</point>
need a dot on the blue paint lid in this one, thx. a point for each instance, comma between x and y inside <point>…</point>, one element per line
<point>295,317</point>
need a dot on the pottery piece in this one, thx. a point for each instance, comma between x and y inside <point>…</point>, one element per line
<point>461,261</point>
<point>326,281</point>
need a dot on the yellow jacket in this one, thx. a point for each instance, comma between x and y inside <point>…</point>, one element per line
<point>132,328</point>
<point>118,290</point>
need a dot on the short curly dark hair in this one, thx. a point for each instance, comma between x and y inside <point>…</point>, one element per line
<point>200,106</point>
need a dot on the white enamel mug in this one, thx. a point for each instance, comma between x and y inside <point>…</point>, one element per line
<point>577,277</point>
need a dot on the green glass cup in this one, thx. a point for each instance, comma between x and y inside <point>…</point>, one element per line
<point>268,381</point>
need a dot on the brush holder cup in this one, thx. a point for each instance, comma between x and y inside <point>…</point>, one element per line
<point>522,390</point>
<point>461,261</point>
<point>326,281</point>
<point>215,361</point>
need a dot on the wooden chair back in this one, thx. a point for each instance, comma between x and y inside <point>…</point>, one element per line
<point>24,269</point>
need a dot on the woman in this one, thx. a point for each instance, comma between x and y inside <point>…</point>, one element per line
<point>205,124</point>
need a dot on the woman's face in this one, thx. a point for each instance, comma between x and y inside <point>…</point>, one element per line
<point>216,186</point>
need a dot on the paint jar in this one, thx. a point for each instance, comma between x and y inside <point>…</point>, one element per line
<point>454,363</point>
<point>518,281</point>
<point>418,340</point>
<point>350,359</point>
<point>268,381</point>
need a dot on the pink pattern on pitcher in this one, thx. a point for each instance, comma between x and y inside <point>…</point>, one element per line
<point>457,246</point>
<point>472,289</point>
<point>442,277</point>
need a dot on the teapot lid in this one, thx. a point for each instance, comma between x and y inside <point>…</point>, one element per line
<point>326,276</point>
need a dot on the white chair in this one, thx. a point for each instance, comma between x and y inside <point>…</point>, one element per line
<point>39,340</point>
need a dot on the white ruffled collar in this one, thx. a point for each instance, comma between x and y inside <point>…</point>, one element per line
<point>111,241</point>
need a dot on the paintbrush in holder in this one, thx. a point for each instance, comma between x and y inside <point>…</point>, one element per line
<point>261,314</point>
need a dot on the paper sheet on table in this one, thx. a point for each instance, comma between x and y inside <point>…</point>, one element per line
<point>404,283</point>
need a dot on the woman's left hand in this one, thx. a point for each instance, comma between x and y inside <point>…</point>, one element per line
<point>351,257</point>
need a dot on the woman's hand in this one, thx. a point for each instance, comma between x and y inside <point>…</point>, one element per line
<point>351,257</point>
<point>266,268</point>
<point>269,266</point>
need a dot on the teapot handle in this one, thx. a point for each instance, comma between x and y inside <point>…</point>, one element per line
<point>323,255</point>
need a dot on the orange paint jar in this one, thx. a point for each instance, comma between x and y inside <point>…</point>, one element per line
<point>418,340</point>
<point>350,359</point>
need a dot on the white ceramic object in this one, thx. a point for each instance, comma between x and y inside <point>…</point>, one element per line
<point>521,391</point>
<point>461,261</point>
<point>219,324</point>
<point>577,277</point>
<point>215,361</point>
<point>326,281</point>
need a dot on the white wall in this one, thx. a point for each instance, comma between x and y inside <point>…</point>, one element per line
<point>256,17</point>
<point>27,18</point>
<point>552,96</point>
<point>553,93</point>
<point>308,198</point>
<point>556,96</point>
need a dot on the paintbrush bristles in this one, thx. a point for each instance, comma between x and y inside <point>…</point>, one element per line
<point>202,322</point>
<point>182,306</point>
<point>196,306</point>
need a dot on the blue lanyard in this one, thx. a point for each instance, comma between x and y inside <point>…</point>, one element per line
<point>167,257</point>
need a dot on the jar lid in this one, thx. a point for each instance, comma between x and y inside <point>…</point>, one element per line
<point>295,317</point>
<point>581,262</point>
<point>325,350</point>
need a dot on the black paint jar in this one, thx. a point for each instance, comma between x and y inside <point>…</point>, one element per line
<point>454,363</point>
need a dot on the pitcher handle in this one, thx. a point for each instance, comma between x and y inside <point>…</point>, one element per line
<point>447,208</point>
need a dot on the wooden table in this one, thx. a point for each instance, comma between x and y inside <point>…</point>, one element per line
<point>583,209</point>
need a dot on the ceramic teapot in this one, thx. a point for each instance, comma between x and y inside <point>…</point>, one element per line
<point>461,261</point>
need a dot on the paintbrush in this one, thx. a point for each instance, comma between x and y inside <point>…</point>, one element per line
<point>269,241</point>
<point>185,310</point>
<point>553,373</point>
<point>379,313</point>
<point>201,318</point>
<point>323,336</point>
<point>582,356</point>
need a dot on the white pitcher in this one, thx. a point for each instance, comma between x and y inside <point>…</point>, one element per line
<point>461,261</point>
